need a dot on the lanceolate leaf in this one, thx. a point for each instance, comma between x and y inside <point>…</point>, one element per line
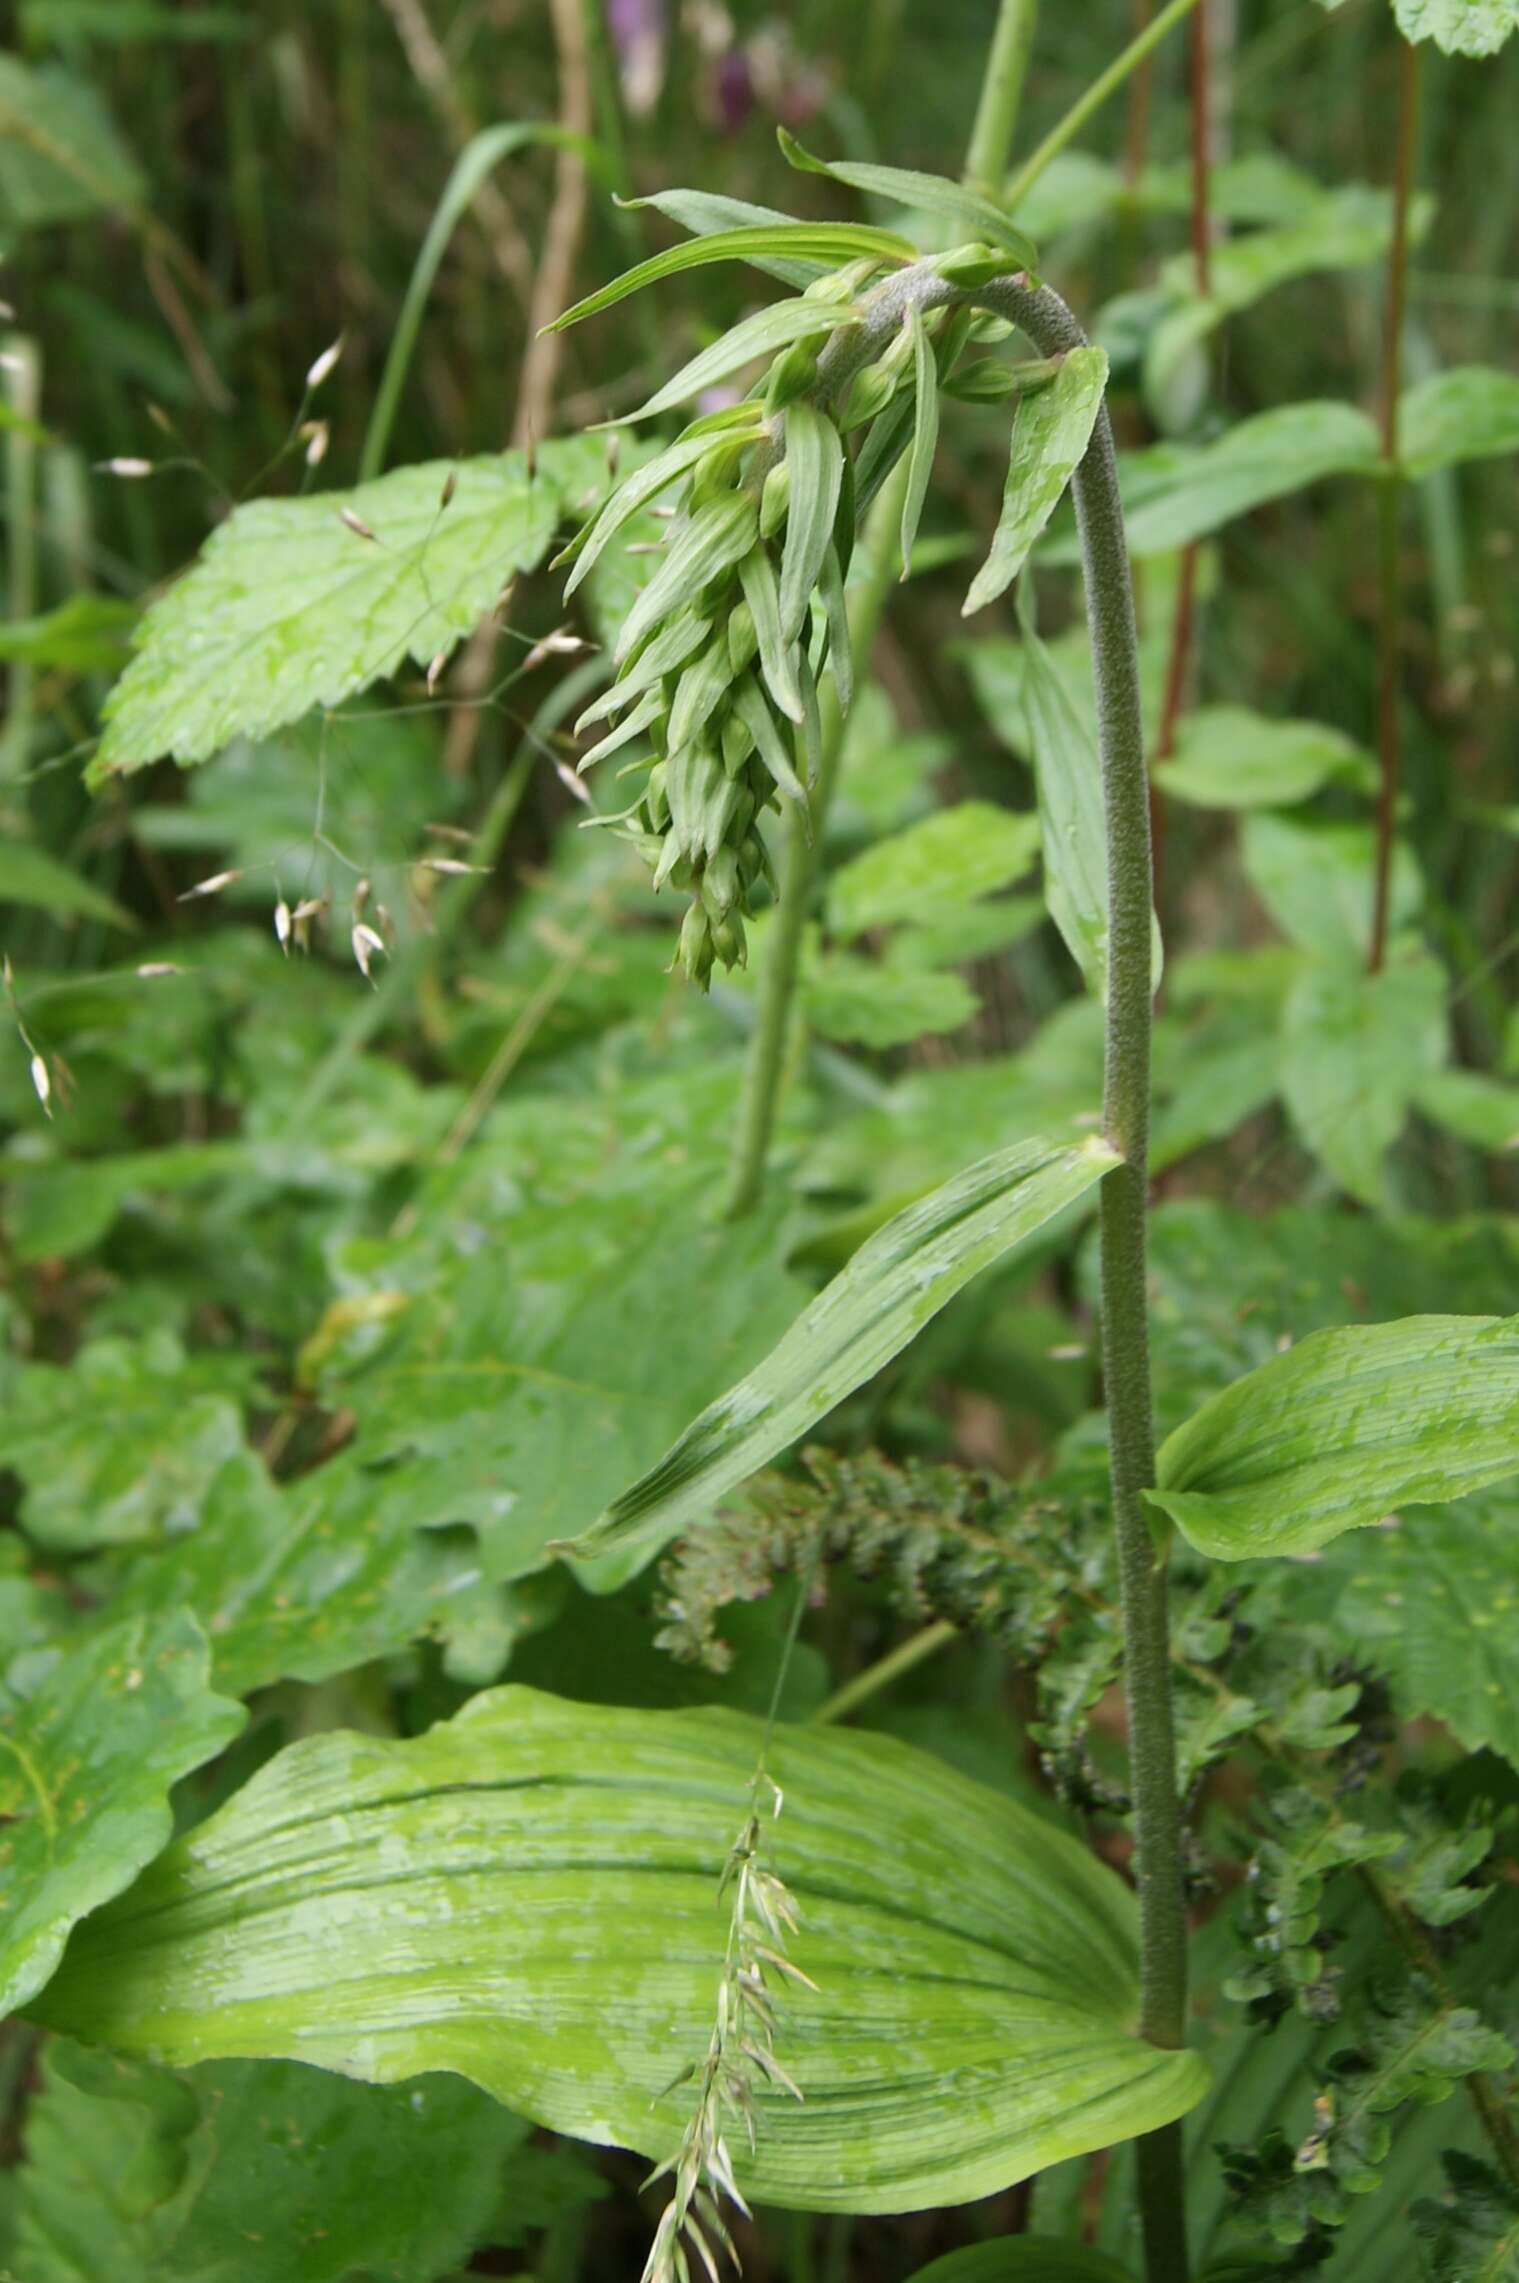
<point>757,336</point>
<point>977,217</point>
<point>815,458</point>
<point>705,212</point>
<point>92,1737</point>
<point>832,243</point>
<point>925,435</point>
<point>1068,775</point>
<point>527,1895</point>
<point>716,536</point>
<point>894,1285</point>
<point>1175,493</point>
<point>1051,430</point>
<point>644,485</point>
<point>1470,413</point>
<point>290,606</point>
<point>1346,1425</point>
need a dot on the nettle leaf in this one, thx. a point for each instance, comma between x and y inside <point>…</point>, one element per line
<point>894,1285</point>
<point>92,1739</point>
<point>291,607</point>
<point>1051,430</point>
<point>1335,1432</point>
<point>831,243</point>
<point>1471,413</point>
<point>61,157</point>
<point>925,193</point>
<point>258,2170</point>
<point>1459,27</point>
<point>934,870</point>
<point>546,1922</point>
<point>1317,879</point>
<point>1355,1050</point>
<point>1227,757</point>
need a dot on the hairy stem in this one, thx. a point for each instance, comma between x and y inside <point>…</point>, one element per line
<point>1390,505</point>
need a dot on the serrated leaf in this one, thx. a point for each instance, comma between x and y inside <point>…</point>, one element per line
<point>1227,757</point>
<point>1470,413</point>
<point>1051,430</point>
<point>1340,1429</point>
<point>815,457</point>
<point>1355,1050</point>
<point>1459,27</point>
<point>894,1285</point>
<point>925,435</point>
<point>777,327</point>
<point>289,607</point>
<point>977,217</point>
<point>831,243</point>
<point>933,870</point>
<point>92,1738</point>
<point>539,1931</point>
<point>251,2172</point>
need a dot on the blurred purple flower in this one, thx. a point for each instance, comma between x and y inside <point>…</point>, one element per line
<point>638,28</point>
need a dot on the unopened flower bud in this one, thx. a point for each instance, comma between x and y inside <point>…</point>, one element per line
<point>870,392</point>
<point>695,952</point>
<point>775,498</point>
<point>974,264</point>
<point>792,375</point>
<point>742,639</point>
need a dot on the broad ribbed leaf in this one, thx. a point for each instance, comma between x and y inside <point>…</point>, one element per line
<point>815,458</point>
<point>925,435</point>
<point>1341,1428</point>
<point>832,243</point>
<point>894,1285</point>
<point>527,1895</point>
<point>975,216</point>
<point>92,1738</point>
<point>1051,430</point>
<point>291,607</point>
<point>1068,777</point>
<point>934,870</point>
<point>1024,2259</point>
<point>758,336</point>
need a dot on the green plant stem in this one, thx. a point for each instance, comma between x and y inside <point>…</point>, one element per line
<point>23,393</point>
<point>991,137</point>
<point>1125,1329</point>
<point>1390,506</point>
<point>1068,128</point>
<point>904,1658</point>
<point>798,872</point>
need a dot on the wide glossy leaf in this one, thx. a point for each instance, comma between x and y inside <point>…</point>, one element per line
<point>1337,1431</point>
<point>934,870</point>
<point>894,1285</point>
<point>1176,493</point>
<point>527,1895</point>
<point>92,1739</point>
<point>1227,757</point>
<point>254,2172</point>
<point>61,157</point>
<point>758,336</point>
<point>832,243</point>
<point>290,607</point>
<point>1355,1050</point>
<point>1024,2259</point>
<point>1051,429</point>
<point>974,216</point>
<point>1471,413</point>
<point>1459,27</point>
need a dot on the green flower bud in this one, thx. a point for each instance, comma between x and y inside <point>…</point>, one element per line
<point>737,743</point>
<point>791,376</point>
<point>775,498</point>
<point>715,472</point>
<point>695,953</point>
<point>870,392</point>
<point>841,285</point>
<point>728,943</point>
<point>973,264</point>
<point>721,886</point>
<point>656,807</point>
<point>742,639</point>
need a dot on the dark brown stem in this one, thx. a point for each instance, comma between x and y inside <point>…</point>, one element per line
<point>1389,505</point>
